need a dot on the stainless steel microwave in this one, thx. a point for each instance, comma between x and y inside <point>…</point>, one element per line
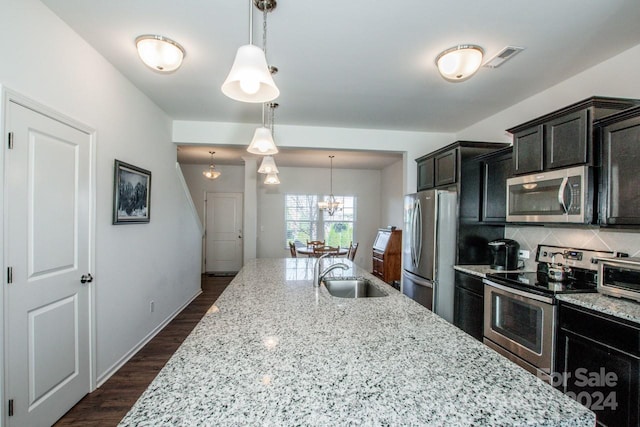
<point>619,277</point>
<point>559,196</point>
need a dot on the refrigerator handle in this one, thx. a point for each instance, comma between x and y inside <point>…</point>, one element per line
<point>418,232</point>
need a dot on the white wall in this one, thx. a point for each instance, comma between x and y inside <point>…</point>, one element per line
<point>231,180</point>
<point>43,59</point>
<point>364,184</point>
<point>391,196</point>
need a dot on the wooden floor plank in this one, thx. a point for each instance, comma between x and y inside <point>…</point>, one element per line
<point>107,405</point>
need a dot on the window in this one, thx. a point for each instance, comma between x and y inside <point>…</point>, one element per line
<point>304,221</point>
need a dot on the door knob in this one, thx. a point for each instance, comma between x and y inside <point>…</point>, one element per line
<point>86,278</point>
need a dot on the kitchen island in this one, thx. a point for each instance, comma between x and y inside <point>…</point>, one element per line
<point>274,350</point>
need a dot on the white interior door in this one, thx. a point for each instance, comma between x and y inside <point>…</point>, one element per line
<point>223,248</point>
<point>47,324</point>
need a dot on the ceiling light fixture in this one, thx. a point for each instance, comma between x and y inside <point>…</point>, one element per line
<point>272,179</point>
<point>250,78</point>
<point>262,142</point>
<point>160,53</point>
<point>211,173</point>
<point>460,62</point>
<point>268,165</point>
<point>330,205</point>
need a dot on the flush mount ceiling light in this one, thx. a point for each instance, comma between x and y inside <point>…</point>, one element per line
<point>268,165</point>
<point>262,142</point>
<point>272,179</point>
<point>330,205</point>
<point>211,173</point>
<point>250,78</point>
<point>459,63</point>
<point>160,53</point>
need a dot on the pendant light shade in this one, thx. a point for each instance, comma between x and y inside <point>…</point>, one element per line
<point>250,78</point>
<point>272,179</point>
<point>211,173</point>
<point>268,165</point>
<point>160,53</point>
<point>459,63</point>
<point>262,143</point>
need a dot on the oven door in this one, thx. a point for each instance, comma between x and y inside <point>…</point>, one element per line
<point>521,323</point>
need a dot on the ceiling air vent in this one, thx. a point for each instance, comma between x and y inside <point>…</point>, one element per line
<point>503,56</point>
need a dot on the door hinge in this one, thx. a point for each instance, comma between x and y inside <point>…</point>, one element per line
<point>10,409</point>
<point>10,140</point>
<point>9,274</point>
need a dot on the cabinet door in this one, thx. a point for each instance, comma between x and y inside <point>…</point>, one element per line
<point>566,140</point>
<point>446,170</point>
<point>468,309</point>
<point>494,200</point>
<point>527,150</point>
<point>426,174</point>
<point>620,160</point>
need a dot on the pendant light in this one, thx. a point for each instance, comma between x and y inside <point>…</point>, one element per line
<point>330,205</point>
<point>460,62</point>
<point>160,53</point>
<point>211,173</point>
<point>250,78</point>
<point>272,179</point>
<point>262,142</point>
<point>268,165</point>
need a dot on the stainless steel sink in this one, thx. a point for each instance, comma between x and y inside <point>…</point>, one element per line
<point>354,287</point>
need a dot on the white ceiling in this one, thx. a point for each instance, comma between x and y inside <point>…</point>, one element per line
<point>360,64</point>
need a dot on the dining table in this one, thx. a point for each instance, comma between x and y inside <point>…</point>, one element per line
<point>306,250</point>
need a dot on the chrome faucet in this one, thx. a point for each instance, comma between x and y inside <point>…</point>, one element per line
<point>318,276</point>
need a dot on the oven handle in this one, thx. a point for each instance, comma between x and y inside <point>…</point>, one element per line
<point>519,292</point>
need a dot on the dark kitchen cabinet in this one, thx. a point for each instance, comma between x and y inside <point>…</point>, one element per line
<point>468,306</point>
<point>446,167</point>
<point>426,174</point>
<point>599,356</point>
<point>620,189</point>
<point>497,167</point>
<point>564,137</point>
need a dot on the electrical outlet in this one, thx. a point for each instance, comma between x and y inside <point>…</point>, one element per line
<point>152,306</point>
<point>523,254</point>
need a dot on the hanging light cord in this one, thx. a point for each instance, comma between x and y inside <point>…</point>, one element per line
<point>250,21</point>
<point>331,176</point>
<point>264,27</point>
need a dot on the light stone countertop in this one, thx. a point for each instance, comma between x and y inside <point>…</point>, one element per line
<point>618,307</point>
<point>482,270</point>
<point>276,351</point>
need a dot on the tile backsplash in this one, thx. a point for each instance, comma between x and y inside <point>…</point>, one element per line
<point>530,237</point>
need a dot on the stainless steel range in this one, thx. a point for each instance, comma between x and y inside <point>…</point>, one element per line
<point>520,308</point>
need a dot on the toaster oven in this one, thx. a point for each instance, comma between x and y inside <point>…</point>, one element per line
<point>620,277</point>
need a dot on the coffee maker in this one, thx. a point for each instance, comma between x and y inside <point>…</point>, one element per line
<point>504,254</point>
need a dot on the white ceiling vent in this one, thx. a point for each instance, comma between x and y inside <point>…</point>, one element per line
<point>503,56</point>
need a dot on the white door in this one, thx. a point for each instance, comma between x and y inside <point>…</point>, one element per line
<point>223,248</point>
<point>47,324</point>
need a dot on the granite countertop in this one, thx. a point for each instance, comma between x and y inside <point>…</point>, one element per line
<point>482,270</point>
<point>618,307</point>
<point>276,351</point>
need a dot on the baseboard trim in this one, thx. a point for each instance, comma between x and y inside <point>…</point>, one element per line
<point>124,359</point>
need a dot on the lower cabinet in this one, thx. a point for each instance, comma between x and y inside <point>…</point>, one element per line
<point>469,304</point>
<point>598,364</point>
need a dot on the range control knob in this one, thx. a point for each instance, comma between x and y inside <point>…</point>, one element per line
<point>594,260</point>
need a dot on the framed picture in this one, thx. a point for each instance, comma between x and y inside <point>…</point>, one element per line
<point>131,194</point>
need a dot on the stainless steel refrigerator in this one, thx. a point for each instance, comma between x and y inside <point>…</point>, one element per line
<point>429,248</point>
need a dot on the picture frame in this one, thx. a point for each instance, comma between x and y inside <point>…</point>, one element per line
<point>131,194</point>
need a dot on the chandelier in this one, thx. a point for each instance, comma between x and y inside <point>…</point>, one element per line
<point>250,77</point>
<point>330,205</point>
<point>211,173</point>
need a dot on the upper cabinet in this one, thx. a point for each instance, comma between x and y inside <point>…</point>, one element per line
<point>562,138</point>
<point>620,192</point>
<point>496,168</point>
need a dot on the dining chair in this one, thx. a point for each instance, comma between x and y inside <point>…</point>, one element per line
<point>292,248</point>
<point>313,243</point>
<point>353,247</point>
<point>318,251</point>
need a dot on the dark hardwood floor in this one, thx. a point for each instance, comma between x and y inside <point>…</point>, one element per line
<point>108,404</point>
